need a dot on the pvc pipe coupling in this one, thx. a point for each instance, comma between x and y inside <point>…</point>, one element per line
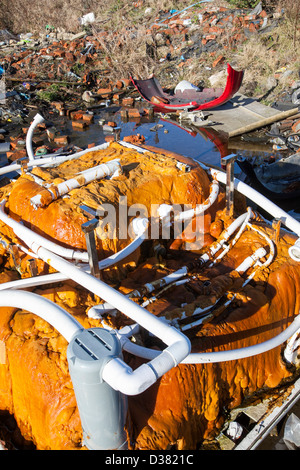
<point>294,251</point>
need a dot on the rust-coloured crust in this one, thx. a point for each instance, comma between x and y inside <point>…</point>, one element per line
<point>187,405</point>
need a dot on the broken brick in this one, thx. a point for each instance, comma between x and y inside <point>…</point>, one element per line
<point>79,124</point>
<point>218,60</point>
<point>61,140</point>
<point>127,101</point>
<point>104,91</point>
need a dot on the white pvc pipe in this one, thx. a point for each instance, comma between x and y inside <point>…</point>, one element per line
<point>289,334</point>
<point>35,281</point>
<point>223,356</point>
<point>120,376</point>
<point>101,171</point>
<point>38,119</point>
<point>32,281</point>
<point>201,208</point>
<point>291,352</point>
<point>25,233</point>
<point>234,354</point>
<point>241,269</point>
<point>250,260</point>
<point>99,310</point>
<point>164,210</point>
<point>50,160</point>
<point>61,320</point>
<point>268,206</point>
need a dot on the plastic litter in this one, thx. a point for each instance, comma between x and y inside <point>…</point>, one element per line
<point>296,96</point>
<point>185,85</point>
<point>235,430</point>
<point>291,435</point>
<point>86,19</point>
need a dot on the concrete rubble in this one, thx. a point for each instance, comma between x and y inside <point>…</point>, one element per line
<point>69,76</point>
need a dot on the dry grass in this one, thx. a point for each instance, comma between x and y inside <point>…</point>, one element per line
<point>125,54</point>
<point>125,45</point>
<point>263,54</point>
<point>21,16</point>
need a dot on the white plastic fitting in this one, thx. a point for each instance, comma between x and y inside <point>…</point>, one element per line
<point>110,168</point>
<point>294,251</point>
<point>25,233</point>
<point>266,204</point>
<point>50,160</point>
<point>248,262</point>
<point>38,119</point>
<point>125,379</point>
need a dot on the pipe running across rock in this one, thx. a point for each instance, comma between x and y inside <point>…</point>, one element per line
<point>53,192</point>
<point>120,376</point>
<point>141,231</point>
<point>148,288</point>
<point>267,205</point>
<point>56,316</point>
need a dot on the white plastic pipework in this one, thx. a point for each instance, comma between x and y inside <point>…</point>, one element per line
<point>56,316</point>
<point>38,119</point>
<point>268,206</point>
<point>109,168</point>
<point>291,352</point>
<point>50,160</point>
<point>97,311</point>
<point>241,269</point>
<point>250,260</point>
<point>223,356</point>
<point>116,373</point>
<point>242,353</point>
<point>242,219</point>
<point>164,210</point>
<point>23,232</point>
<point>24,283</point>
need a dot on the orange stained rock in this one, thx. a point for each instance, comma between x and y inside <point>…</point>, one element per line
<point>187,404</point>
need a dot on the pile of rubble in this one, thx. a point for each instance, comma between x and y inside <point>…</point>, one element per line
<point>206,29</point>
<point>181,37</point>
<point>69,75</point>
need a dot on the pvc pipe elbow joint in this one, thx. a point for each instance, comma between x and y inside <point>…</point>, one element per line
<point>294,251</point>
<point>38,119</point>
<point>122,378</point>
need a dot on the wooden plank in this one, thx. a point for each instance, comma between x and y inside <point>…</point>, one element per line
<point>264,426</point>
<point>242,114</point>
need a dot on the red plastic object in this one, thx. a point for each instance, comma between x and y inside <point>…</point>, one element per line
<point>190,100</point>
